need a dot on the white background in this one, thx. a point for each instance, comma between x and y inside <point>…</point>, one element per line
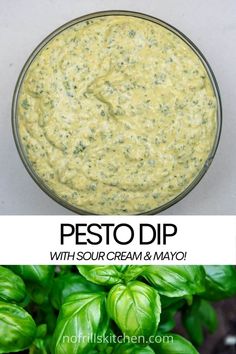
<point>210,24</point>
<point>202,237</point>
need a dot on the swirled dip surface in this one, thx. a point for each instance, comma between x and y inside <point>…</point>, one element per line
<point>117,115</point>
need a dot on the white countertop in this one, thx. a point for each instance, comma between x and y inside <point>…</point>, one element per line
<point>211,25</point>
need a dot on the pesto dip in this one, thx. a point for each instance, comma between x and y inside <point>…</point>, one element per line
<point>117,115</point>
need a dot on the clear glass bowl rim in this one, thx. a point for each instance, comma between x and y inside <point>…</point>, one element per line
<point>45,41</point>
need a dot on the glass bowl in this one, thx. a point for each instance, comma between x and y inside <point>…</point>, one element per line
<point>207,67</point>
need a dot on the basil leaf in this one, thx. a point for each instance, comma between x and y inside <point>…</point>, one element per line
<point>107,345</point>
<point>103,275</point>
<point>68,284</point>
<point>220,282</point>
<point>133,272</point>
<point>175,281</point>
<point>38,294</point>
<point>193,324</point>
<point>166,326</point>
<point>167,302</point>
<point>41,346</point>
<point>12,287</point>
<point>178,345</point>
<point>129,348</point>
<point>208,316</point>
<point>121,268</point>
<point>17,328</point>
<point>38,347</point>
<point>82,317</point>
<point>135,308</point>
<point>201,315</point>
<point>39,274</point>
<point>41,331</point>
<point>167,322</point>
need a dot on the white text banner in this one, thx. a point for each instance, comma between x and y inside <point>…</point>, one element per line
<point>101,240</point>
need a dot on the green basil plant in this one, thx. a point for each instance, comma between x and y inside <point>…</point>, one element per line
<point>110,309</point>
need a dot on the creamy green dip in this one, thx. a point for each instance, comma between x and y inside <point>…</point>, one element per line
<point>117,115</point>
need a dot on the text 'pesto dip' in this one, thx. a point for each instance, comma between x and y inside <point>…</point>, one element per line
<point>117,115</point>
